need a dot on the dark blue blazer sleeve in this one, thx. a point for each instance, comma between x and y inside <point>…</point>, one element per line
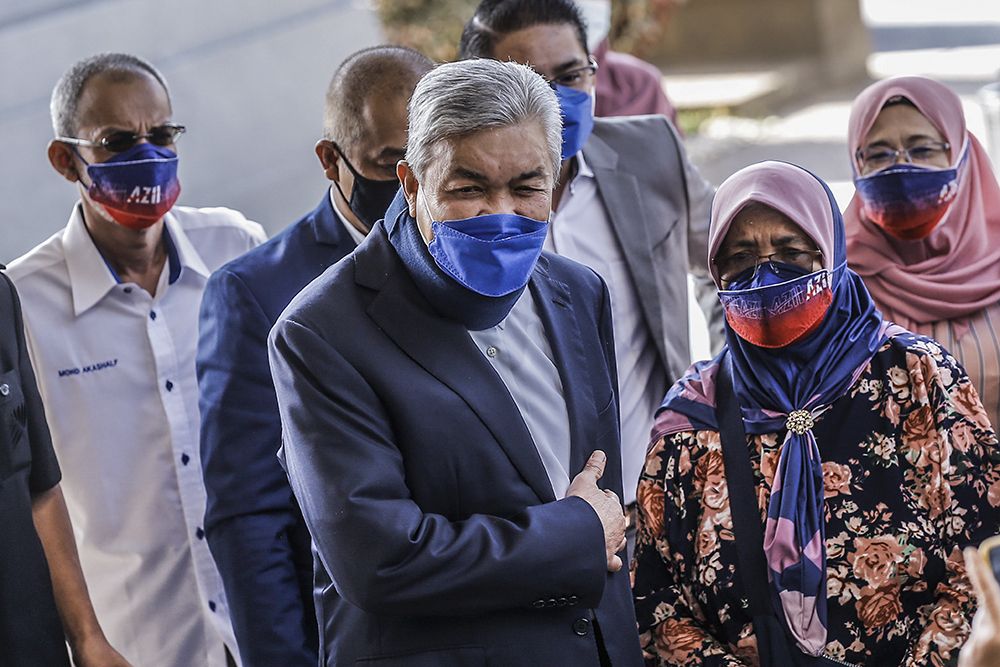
<point>252,521</point>
<point>384,553</point>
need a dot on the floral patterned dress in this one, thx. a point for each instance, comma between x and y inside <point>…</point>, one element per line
<point>911,474</point>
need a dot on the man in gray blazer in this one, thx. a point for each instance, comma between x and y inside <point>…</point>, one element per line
<point>629,205</point>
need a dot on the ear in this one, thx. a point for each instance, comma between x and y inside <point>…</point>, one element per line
<point>410,185</point>
<point>329,157</point>
<point>63,160</point>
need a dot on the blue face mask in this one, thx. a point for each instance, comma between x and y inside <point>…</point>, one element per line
<point>908,200</point>
<point>778,306</point>
<point>577,109</point>
<point>492,255</point>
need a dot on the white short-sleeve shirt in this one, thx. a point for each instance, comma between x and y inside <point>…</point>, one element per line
<point>116,370</point>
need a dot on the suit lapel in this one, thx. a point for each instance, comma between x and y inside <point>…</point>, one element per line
<point>445,350</point>
<point>554,304</point>
<point>623,202</point>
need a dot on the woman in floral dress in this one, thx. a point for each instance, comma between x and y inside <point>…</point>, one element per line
<point>888,468</point>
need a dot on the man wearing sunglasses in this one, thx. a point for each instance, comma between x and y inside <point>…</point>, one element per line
<point>628,204</point>
<point>253,524</point>
<point>111,310</point>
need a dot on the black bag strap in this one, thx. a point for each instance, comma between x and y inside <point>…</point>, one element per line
<point>774,646</point>
<point>742,497</point>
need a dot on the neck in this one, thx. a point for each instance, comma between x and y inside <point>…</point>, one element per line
<point>567,170</point>
<point>136,255</point>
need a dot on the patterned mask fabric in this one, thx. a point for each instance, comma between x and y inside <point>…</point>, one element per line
<point>787,389</point>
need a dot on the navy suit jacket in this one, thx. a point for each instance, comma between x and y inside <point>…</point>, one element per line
<point>429,507</point>
<point>253,524</point>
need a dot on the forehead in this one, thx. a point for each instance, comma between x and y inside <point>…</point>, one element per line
<point>546,47</point>
<point>900,122</point>
<point>499,154</point>
<point>123,100</point>
<point>756,223</point>
<point>383,120</point>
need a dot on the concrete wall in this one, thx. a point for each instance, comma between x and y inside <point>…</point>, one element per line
<point>709,32</point>
<point>247,77</point>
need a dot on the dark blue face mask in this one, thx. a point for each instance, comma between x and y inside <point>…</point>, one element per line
<point>492,255</point>
<point>577,109</point>
<point>908,200</point>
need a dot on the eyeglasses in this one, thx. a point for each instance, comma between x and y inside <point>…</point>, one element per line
<point>122,140</point>
<point>577,77</point>
<point>880,157</point>
<point>733,266</point>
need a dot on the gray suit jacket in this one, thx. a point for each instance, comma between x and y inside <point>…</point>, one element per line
<point>659,207</point>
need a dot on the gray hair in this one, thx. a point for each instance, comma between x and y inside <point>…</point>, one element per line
<point>461,98</point>
<point>66,94</point>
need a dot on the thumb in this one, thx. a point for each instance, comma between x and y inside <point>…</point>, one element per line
<point>595,464</point>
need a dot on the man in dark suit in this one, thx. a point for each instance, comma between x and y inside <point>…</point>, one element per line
<point>449,406</point>
<point>629,205</point>
<point>253,525</point>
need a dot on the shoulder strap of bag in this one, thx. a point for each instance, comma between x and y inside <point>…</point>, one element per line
<point>742,497</point>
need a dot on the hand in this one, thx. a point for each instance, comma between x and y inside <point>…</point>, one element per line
<point>983,646</point>
<point>605,503</point>
<point>97,652</point>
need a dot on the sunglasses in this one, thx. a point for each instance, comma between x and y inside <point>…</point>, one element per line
<point>122,140</point>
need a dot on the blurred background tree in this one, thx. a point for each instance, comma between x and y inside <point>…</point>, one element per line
<point>435,26</point>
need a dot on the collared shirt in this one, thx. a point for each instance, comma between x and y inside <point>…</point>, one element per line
<point>116,371</point>
<point>581,230</point>
<point>521,355</point>
<point>356,235</point>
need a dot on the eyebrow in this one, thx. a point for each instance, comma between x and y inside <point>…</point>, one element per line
<point>463,172</point>
<point>908,140</point>
<point>529,175</point>
<point>389,152</point>
<point>569,64</point>
<point>780,241</point>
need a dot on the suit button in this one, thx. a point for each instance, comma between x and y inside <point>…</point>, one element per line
<point>538,604</point>
<point>4,389</point>
<point>573,599</point>
<point>581,627</point>
<point>551,602</point>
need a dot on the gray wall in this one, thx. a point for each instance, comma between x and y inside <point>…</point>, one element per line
<point>247,77</point>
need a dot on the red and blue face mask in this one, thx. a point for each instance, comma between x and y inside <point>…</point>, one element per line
<point>136,187</point>
<point>778,305</point>
<point>908,200</point>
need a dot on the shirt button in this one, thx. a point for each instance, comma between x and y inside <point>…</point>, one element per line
<point>152,314</point>
<point>200,534</point>
<point>581,627</point>
<point>127,290</point>
<point>4,389</point>
<point>185,459</point>
<point>211,605</point>
<point>492,351</point>
<point>170,385</point>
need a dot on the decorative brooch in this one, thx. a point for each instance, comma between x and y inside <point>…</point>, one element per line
<point>799,421</point>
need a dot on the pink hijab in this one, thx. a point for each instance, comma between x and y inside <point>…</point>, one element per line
<point>955,271</point>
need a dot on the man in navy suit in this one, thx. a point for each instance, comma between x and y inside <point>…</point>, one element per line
<point>253,524</point>
<point>449,406</point>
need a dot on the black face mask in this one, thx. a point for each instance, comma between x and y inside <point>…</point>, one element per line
<point>369,198</point>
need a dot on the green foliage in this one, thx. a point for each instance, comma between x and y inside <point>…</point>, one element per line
<point>434,26</point>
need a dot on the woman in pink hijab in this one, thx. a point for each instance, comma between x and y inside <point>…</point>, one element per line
<point>923,228</point>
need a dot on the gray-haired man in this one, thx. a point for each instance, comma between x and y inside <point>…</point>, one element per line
<point>449,407</point>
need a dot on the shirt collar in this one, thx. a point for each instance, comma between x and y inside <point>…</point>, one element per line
<point>353,231</point>
<point>583,170</point>
<point>90,275</point>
